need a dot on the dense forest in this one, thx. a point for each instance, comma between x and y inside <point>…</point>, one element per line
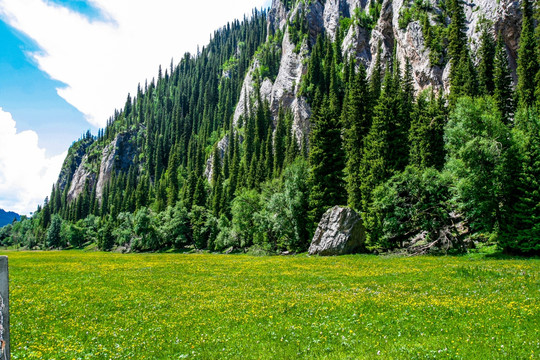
<point>429,171</point>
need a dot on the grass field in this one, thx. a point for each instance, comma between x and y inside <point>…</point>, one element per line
<point>75,305</point>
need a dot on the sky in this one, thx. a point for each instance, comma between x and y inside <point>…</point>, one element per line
<point>66,65</point>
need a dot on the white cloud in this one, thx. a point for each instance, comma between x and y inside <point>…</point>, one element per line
<point>102,61</point>
<point>26,173</point>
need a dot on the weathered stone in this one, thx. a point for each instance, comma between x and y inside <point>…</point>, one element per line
<point>340,231</point>
<point>76,157</point>
<point>222,145</point>
<point>277,16</point>
<point>120,155</point>
<point>80,177</point>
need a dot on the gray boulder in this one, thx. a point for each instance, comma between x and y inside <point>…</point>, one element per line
<point>340,231</point>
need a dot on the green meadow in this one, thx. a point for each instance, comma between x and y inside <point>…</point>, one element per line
<point>77,305</point>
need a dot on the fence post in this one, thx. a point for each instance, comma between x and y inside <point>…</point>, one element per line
<point>4,309</point>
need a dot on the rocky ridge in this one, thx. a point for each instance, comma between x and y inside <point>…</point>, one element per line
<point>323,17</point>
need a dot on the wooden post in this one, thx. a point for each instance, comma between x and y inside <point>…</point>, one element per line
<point>4,309</point>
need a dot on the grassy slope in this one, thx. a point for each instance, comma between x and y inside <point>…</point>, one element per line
<point>75,305</point>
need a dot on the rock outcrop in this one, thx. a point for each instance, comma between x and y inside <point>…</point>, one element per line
<point>323,17</point>
<point>340,231</point>
<point>72,162</point>
<point>222,146</point>
<point>81,176</point>
<point>118,155</point>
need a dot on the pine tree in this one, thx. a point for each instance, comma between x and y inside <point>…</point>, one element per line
<point>376,76</point>
<point>427,132</point>
<point>356,122</point>
<point>527,59</point>
<point>457,38</point>
<point>461,73</point>
<point>326,159</point>
<point>378,160</point>
<point>279,143</point>
<point>503,93</point>
<point>521,233</point>
<point>486,67</point>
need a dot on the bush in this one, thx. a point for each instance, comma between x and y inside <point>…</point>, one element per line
<point>413,209</point>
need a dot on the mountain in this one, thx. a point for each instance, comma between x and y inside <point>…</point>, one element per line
<point>319,103</point>
<point>7,217</point>
<point>285,63</point>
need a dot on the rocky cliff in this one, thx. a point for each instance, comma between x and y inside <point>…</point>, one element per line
<point>91,164</point>
<point>362,41</point>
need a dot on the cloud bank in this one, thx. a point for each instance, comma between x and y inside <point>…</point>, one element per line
<point>26,173</point>
<point>100,61</point>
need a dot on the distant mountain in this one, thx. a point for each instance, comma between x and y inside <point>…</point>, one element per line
<point>6,217</point>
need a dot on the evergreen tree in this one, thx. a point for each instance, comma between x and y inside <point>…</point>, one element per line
<point>427,132</point>
<point>522,233</point>
<point>486,67</point>
<point>327,160</point>
<point>279,143</point>
<point>503,93</point>
<point>379,160</point>
<point>356,122</point>
<point>527,58</point>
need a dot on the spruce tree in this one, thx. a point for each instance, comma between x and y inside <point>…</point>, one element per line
<point>356,122</point>
<point>521,232</point>
<point>458,51</point>
<point>327,159</point>
<point>426,135</point>
<point>486,67</point>
<point>527,59</point>
<point>376,75</point>
<point>279,143</point>
<point>503,93</point>
<point>379,160</point>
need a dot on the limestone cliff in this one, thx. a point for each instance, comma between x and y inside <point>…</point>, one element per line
<point>92,164</point>
<point>361,43</point>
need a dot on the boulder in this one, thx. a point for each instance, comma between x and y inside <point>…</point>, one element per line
<point>340,231</point>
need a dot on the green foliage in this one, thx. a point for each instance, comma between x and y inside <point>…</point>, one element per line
<point>54,239</point>
<point>284,216</point>
<point>412,203</point>
<point>486,68</point>
<point>503,93</point>
<point>244,208</point>
<point>528,65</point>
<point>145,230</point>
<point>426,132</point>
<point>327,159</point>
<point>521,232</point>
<point>479,150</point>
<point>105,239</point>
<point>356,121</point>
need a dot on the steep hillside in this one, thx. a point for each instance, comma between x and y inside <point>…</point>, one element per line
<point>312,104</point>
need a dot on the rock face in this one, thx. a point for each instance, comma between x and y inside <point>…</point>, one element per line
<point>74,158</point>
<point>222,146</point>
<point>340,231</point>
<point>323,17</point>
<point>82,175</point>
<point>118,155</point>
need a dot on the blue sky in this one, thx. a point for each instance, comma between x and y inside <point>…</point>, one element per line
<point>65,65</point>
<point>29,94</point>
